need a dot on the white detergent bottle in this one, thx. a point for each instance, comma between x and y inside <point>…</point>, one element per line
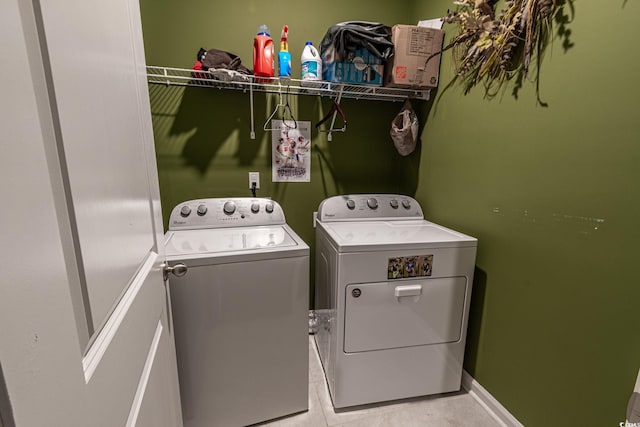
<point>311,63</point>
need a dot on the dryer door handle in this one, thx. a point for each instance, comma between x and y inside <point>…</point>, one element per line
<point>408,291</point>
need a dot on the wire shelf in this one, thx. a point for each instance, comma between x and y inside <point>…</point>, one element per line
<point>185,77</point>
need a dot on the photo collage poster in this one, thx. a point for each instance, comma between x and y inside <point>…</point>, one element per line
<point>291,151</point>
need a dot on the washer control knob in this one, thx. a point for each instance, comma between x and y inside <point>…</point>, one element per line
<point>269,207</point>
<point>185,211</point>
<point>372,203</point>
<point>406,204</point>
<point>255,207</point>
<point>394,203</point>
<point>229,208</point>
<point>202,210</point>
<point>351,204</point>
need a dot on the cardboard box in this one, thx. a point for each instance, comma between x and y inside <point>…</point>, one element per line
<point>360,67</point>
<point>413,45</point>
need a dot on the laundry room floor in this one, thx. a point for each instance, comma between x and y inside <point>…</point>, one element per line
<point>457,409</point>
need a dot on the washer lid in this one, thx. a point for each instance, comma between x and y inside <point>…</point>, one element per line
<point>387,235</point>
<point>219,240</point>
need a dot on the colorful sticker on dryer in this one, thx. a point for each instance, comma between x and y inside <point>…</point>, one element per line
<point>410,266</point>
<point>425,265</point>
<point>395,268</point>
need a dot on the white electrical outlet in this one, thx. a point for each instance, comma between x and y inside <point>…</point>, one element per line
<point>254,177</point>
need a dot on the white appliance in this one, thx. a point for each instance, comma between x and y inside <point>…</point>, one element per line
<point>240,313</point>
<point>392,299</point>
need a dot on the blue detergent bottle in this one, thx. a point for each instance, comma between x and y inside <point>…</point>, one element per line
<point>284,57</point>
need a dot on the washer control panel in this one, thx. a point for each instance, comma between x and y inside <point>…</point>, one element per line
<point>221,212</point>
<point>367,207</point>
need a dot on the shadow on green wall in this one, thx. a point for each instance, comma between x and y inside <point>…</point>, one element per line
<point>216,115</point>
<point>562,19</point>
<point>363,159</point>
<point>474,327</point>
<point>193,124</point>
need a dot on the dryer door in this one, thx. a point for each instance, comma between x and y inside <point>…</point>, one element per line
<point>402,314</point>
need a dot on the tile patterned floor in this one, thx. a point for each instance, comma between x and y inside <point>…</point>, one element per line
<point>443,410</point>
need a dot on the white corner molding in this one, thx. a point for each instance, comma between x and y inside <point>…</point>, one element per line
<point>488,402</point>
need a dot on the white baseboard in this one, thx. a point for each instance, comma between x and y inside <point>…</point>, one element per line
<point>488,402</point>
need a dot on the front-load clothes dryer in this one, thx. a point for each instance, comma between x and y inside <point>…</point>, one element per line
<point>392,299</point>
<point>240,313</point>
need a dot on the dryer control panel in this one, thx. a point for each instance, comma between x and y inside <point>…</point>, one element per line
<point>369,207</point>
<point>222,212</point>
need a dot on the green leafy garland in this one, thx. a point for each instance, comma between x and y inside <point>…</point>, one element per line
<point>493,50</point>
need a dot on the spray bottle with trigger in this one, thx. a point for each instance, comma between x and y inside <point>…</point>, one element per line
<point>284,57</point>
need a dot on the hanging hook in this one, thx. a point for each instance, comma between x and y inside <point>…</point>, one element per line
<point>275,111</point>
<point>333,112</point>
<point>287,109</point>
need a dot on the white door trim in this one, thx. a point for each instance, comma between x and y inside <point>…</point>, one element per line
<point>144,378</point>
<point>100,346</point>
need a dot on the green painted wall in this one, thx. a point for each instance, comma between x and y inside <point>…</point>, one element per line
<point>551,193</point>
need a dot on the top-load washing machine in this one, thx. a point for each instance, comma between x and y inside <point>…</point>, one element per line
<point>392,299</point>
<point>240,313</point>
